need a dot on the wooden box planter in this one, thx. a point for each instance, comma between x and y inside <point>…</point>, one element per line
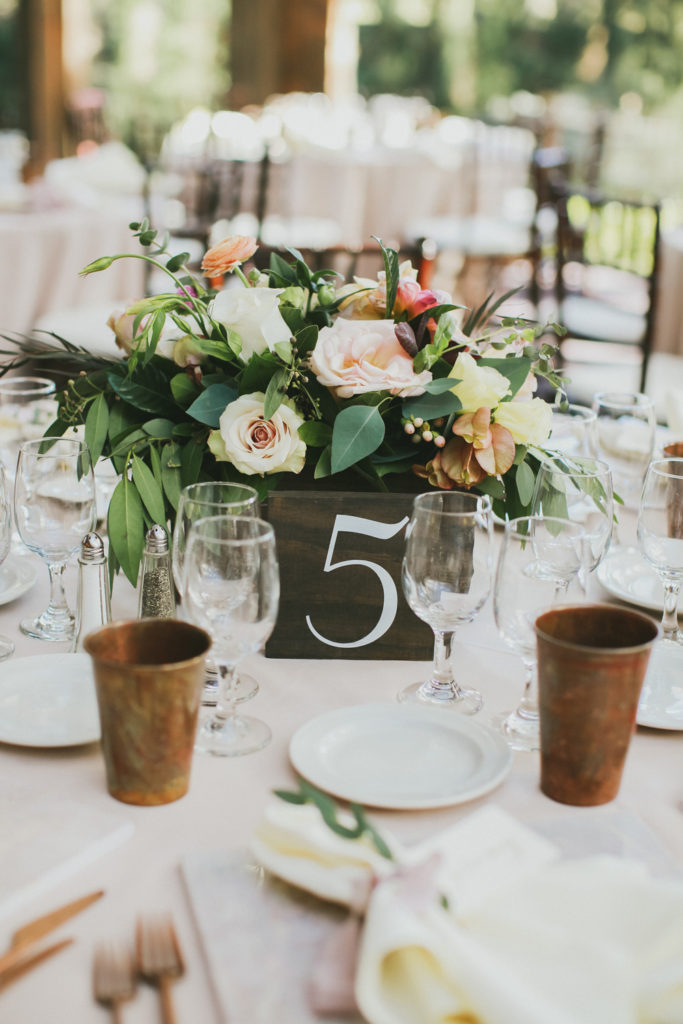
<point>340,574</point>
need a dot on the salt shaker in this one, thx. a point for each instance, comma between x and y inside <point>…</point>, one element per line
<point>93,606</point>
<point>157,594</point>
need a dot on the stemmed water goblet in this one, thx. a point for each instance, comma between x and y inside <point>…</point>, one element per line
<point>6,645</point>
<point>660,535</point>
<point>539,557</point>
<point>200,501</point>
<point>625,439</point>
<point>573,430</point>
<point>27,406</point>
<point>579,489</point>
<point>54,507</point>
<point>446,575</point>
<point>232,590</point>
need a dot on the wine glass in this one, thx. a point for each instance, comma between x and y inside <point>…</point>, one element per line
<point>54,507</point>
<point>579,489</point>
<point>660,535</point>
<point>573,430</point>
<point>232,589</point>
<point>625,439</point>
<point>446,575</point>
<point>199,501</point>
<point>27,407</point>
<point>6,645</point>
<point>538,559</point>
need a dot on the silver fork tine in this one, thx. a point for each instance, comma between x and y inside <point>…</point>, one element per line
<point>113,977</point>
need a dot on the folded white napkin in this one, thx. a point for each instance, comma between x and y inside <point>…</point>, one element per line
<point>525,938</point>
<point>294,843</point>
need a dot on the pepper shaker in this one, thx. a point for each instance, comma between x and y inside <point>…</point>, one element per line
<point>157,594</point>
<point>93,606</point>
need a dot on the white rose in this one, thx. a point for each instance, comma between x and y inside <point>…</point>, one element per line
<point>254,314</point>
<point>256,445</point>
<point>354,357</point>
<point>478,386</point>
<point>529,422</point>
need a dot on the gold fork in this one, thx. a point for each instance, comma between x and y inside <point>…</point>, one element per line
<point>113,977</point>
<point>159,959</point>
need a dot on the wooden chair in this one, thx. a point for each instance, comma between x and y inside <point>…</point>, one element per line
<point>606,282</point>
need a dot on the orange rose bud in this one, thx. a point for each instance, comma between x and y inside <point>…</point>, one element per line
<point>228,254</point>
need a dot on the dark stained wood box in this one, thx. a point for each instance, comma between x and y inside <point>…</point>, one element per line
<point>332,605</point>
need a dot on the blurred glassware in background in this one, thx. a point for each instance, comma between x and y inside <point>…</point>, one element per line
<point>573,430</point>
<point>27,407</point>
<point>625,437</point>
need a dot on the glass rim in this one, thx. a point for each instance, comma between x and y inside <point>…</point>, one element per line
<point>512,525</point>
<point>46,386</point>
<point>198,526</point>
<point>579,459</point>
<point>655,465</point>
<point>573,408</point>
<point>187,496</point>
<point>623,399</point>
<point>481,503</point>
<point>35,442</point>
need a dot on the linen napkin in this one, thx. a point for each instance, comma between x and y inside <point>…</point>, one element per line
<point>504,933</point>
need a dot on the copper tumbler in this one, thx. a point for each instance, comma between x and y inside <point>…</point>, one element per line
<point>149,675</point>
<point>592,661</point>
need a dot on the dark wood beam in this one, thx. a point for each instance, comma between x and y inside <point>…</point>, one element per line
<point>41,41</point>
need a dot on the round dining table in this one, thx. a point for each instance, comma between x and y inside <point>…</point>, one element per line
<point>73,838</point>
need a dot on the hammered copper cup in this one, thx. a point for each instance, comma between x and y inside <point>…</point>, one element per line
<point>149,675</point>
<point>592,661</point>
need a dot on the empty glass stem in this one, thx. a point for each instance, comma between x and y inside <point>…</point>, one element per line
<point>670,630</point>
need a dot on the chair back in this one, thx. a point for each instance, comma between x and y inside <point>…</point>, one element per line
<point>599,231</point>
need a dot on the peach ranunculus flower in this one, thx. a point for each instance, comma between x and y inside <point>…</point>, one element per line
<point>354,357</point>
<point>479,449</point>
<point>228,254</point>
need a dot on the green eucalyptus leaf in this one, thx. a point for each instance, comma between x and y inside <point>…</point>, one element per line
<point>358,432</point>
<point>431,406</point>
<point>211,404</point>
<point>126,527</point>
<point>525,481</point>
<point>191,460</point>
<point>183,389</point>
<point>323,466</point>
<point>96,427</point>
<point>315,433</point>
<point>158,427</point>
<point>149,491</point>
<point>275,392</point>
<point>171,462</point>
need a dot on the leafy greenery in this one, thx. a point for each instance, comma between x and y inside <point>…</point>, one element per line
<point>329,810</point>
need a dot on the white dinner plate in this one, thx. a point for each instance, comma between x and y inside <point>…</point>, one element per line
<point>626,575</point>
<point>661,702</point>
<point>399,756</point>
<point>17,575</point>
<point>48,701</point>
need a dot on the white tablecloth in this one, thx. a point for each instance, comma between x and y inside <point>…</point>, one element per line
<point>226,799</point>
<point>42,252</point>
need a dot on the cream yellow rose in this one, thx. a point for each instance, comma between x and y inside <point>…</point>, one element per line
<point>529,422</point>
<point>477,386</point>
<point>254,444</point>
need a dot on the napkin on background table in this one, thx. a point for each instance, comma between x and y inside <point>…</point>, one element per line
<point>527,938</point>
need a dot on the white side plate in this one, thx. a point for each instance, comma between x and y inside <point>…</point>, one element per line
<point>48,701</point>
<point>661,702</point>
<point>400,757</point>
<point>17,576</point>
<point>626,575</point>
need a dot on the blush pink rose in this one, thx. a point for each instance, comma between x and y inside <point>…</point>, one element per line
<point>354,357</point>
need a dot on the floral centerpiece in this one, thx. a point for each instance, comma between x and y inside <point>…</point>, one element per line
<point>288,372</point>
